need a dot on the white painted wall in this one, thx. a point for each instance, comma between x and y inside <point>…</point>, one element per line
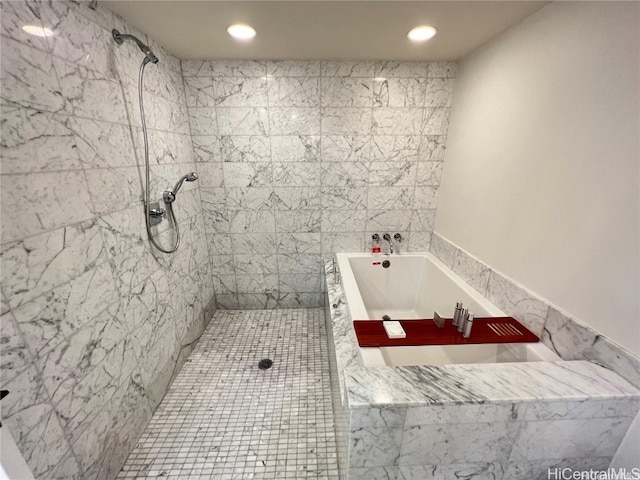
<point>541,177</point>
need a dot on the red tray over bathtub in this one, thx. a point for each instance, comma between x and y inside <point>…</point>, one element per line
<point>371,333</point>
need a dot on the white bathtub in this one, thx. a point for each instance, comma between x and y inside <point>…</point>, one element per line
<point>413,287</point>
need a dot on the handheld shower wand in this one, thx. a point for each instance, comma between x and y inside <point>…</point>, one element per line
<point>169,196</point>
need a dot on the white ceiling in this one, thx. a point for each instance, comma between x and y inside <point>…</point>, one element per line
<point>322,30</point>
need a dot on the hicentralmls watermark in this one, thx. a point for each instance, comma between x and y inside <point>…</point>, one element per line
<point>559,473</point>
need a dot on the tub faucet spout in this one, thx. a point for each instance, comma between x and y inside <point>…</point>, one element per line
<point>387,237</point>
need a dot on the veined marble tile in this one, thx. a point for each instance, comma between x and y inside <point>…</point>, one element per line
<point>242,121</point>
<point>443,250</point>
<point>517,302</point>
<point>345,174</point>
<point>471,271</point>
<point>97,389</point>
<point>345,148</point>
<point>300,300</point>
<point>432,148</point>
<point>253,301</point>
<point>298,243</point>
<point>442,69</point>
<point>206,148</point>
<point>399,92</point>
<point>418,241</point>
<point>245,148</point>
<point>195,68</point>
<point>436,121</point>
<point>14,355</point>
<point>366,418</point>
<point>342,242</point>
<point>299,263</point>
<point>244,198</point>
<point>296,282</point>
<point>343,221</point>
<point>242,221</point>
<point>28,78</point>
<point>346,92</point>
<point>569,439</point>
<point>219,243</point>
<point>294,92</point>
<point>252,264</point>
<point>400,148</point>
<point>397,121</point>
<point>91,94</point>
<point>401,69</point>
<point>257,283</point>
<point>374,447</point>
<point>46,320</point>
<point>14,15</point>
<point>241,92</point>
<point>238,68</point>
<point>456,414</point>
<point>78,40</point>
<point>346,121</point>
<point>293,68</point>
<point>606,353</point>
<point>297,174</point>
<point>247,174</point>
<point>304,221</point>
<point>203,121</point>
<point>36,264</point>
<point>35,141</point>
<point>199,91</point>
<point>344,198</point>
<point>374,473</point>
<point>423,221</point>
<point>439,92</point>
<point>23,198</point>
<point>567,337</point>
<point>225,284</point>
<point>393,174</point>
<point>458,443</point>
<point>429,173</point>
<point>347,69</point>
<point>585,409</point>
<point>254,243</point>
<point>296,198</point>
<point>294,120</point>
<point>383,220</point>
<point>295,148</point>
<point>102,144</point>
<point>209,175</point>
<point>72,359</point>
<point>392,197</point>
<point>470,471</point>
<point>109,186</point>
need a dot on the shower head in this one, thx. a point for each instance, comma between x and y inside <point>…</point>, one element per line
<point>189,177</point>
<point>121,37</point>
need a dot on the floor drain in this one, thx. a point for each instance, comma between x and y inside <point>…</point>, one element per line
<point>265,364</point>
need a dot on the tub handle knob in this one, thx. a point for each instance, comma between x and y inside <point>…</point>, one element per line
<point>398,238</point>
<point>375,237</point>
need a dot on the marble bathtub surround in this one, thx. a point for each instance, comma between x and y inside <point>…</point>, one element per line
<point>95,324</point>
<point>311,158</point>
<point>564,334</point>
<point>499,421</point>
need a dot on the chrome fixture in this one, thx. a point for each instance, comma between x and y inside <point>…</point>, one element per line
<point>121,37</point>
<point>387,237</point>
<point>153,213</point>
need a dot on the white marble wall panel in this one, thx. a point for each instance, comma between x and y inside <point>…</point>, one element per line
<point>567,336</point>
<point>92,340</point>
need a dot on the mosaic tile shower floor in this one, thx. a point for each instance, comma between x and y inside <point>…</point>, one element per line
<point>224,418</point>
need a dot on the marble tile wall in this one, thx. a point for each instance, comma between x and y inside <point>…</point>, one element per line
<point>306,158</point>
<point>567,336</point>
<point>94,323</point>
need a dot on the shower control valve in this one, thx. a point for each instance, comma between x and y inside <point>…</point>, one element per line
<point>168,196</point>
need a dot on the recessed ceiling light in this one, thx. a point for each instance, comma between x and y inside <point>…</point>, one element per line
<point>422,33</point>
<point>37,31</point>
<point>241,31</point>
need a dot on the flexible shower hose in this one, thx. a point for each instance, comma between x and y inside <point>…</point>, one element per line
<point>147,199</point>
